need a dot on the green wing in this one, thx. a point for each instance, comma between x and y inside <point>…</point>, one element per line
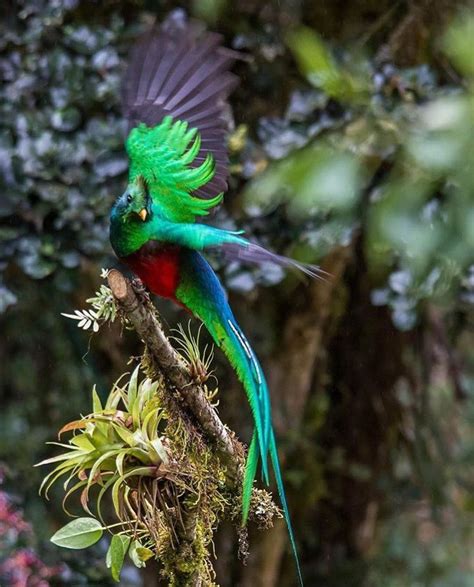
<point>174,97</point>
<point>163,156</point>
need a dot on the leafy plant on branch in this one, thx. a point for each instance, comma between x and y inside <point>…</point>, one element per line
<point>167,484</point>
<point>199,361</point>
<point>132,450</point>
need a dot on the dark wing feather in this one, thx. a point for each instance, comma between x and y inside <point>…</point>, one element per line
<point>181,72</point>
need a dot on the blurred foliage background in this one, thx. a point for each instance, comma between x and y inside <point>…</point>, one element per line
<point>352,141</point>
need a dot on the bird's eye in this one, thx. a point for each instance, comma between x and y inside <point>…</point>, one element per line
<point>129,199</point>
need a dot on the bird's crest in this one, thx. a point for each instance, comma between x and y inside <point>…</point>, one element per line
<point>164,157</point>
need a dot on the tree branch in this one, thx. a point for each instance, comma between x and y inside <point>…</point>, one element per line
<point>142,314</point>
<point>134,303</point>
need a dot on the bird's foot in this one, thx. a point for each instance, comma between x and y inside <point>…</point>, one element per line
<point>140,290</point>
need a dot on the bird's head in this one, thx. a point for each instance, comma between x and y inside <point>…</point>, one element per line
<point>134,205</point>
<point>130,218</point>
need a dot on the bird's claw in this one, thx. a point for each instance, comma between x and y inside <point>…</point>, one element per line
<point>140,290</point>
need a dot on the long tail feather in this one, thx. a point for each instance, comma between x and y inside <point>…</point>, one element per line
<point>249,477</point>
<point>284,505</point>
<point>242,358</point>
<point>262,388</point>
<point>253,455</point>
<point>201,292</point>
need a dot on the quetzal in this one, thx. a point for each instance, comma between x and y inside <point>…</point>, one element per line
<point>174,96</point>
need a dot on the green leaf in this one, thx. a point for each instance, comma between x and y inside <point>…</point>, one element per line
<point>135,411</point>
<point>98,438</point>
<point>134,555</point>
<point>55,474</point>
<point>80,533</point>
<point>150,423</point>
<point>160,451</point>
<point>132,390</point>
<point>144,553</point>
<point>116,554</point>
<point>62,457</point>
<point>147,392</point>
<point>119,462</point>
<point>137,471</point>
<point>96,403</point>
<point>83,442</point>
<point>69,492</point>
<point>124,434</point>
<point>109,455</point>
<point>103,490</point>
<point>141,455</point>
<point>113,400</point>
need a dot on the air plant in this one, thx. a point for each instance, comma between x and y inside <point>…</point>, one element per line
<point>132,450</point>
<point>199,361</point>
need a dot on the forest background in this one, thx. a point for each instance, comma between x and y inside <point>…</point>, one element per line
<point>352,141</point>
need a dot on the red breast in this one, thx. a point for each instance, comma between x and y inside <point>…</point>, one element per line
<point>157,267</point>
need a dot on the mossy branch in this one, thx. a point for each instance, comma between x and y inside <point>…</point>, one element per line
<point>142,315</point>
<point>190,396</point>
<point>159,449</point>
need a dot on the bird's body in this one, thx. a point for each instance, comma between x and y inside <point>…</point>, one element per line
<point>172,270</point>
<point>158,267</point>
<point>174,96</point>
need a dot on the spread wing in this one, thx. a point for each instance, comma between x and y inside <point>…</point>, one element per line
<point>181,72</point>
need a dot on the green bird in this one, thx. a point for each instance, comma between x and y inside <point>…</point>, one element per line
<point>174,96</point>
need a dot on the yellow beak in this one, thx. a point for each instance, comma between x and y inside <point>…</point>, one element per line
<point>143,214</point>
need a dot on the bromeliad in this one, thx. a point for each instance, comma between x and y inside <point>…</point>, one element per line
<point>174,96</point>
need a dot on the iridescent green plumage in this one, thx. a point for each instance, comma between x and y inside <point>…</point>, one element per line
<point>163,157</point>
